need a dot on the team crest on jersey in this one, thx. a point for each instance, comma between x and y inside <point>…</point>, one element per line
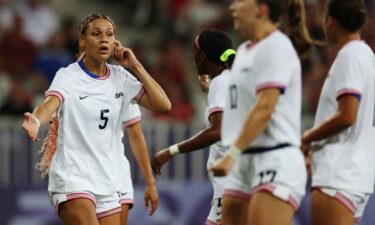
<point>118,95</point>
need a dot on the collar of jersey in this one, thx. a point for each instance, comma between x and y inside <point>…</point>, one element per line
<point>82,65</point>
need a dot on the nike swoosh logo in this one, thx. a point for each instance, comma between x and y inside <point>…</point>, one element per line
<point>80,98</point>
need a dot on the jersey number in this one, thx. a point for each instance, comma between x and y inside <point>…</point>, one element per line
<point>104,118</point>
<point>233,96</point>
<point>267,176</point>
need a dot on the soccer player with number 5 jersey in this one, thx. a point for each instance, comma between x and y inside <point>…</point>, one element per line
<point>88,96</point>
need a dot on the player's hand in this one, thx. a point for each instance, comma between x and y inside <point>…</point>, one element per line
<point>160,159</point>
<point>204,83</point>
<point>305,145</point>
<point>308,159</point>
<point>31,126</point>
<point>125,56</point>
<point>222,166</point>
<point>80,57</point>
<point>151,198</point>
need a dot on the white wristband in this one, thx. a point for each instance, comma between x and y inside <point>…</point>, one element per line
<point>36,119</point>
<point>174,150</point>
<point>233,151</point>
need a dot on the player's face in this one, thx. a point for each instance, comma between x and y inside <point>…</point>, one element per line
<point>98,40</point>
<point>328,27</point>
<point>244,13</point>
<point>198,60</point>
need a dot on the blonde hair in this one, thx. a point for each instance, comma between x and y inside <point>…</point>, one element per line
<point>49,148</point>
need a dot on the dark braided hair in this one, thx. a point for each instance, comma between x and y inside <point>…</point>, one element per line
<point>86,21</point>
<point>214,43</point>
<point>350,14</point>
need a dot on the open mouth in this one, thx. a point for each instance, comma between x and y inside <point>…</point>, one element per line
<point>103,48</point>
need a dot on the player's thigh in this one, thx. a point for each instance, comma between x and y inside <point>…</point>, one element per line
<point>124,214</point>
<point>326,210</point>
<point>265,209</point>
<point>113,219</point>
<point>78,212</point>
<point>234,210</point>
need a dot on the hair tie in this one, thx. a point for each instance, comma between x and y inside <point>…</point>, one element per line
<point>226,54</point>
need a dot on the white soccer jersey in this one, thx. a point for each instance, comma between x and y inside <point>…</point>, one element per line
<point>131,114</point>
<point>270,63</point>
<point>88,115</point>
<point>216,103</point>
<point>346,160</point>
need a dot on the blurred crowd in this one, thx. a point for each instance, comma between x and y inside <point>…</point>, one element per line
<point>35,42</point>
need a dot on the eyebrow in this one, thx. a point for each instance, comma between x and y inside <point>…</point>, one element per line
<point>97,28</point>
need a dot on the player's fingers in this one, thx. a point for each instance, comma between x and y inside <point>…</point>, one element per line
<point>27,115</point>
<point>154,166</point>
<point>146,201</point>
<point>154,206</point>
<point>82,56</point>
<point>158,170</point>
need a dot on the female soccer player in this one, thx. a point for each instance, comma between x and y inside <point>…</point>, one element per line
<point>261,121</point>
<point>89,95</point>
<point>213,56</point>
<point>344,132</point>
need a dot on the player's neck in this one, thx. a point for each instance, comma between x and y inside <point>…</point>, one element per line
<point>215,71</point>
<point>262,30</point>
<point>346,38</point>
<point>97,68</point>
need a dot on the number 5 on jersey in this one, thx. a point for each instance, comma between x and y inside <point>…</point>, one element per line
<point>104,118</point>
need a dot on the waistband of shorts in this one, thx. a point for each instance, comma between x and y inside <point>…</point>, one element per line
<point>253,150</point>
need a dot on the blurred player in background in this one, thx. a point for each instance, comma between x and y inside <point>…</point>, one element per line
<point>261,121</point>
<point>213,56</point>
<point>343,137</point>
<point>89,96</point>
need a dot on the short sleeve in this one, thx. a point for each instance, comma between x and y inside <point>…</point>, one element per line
<point>60,86</point>
<point>132,86</point>
<point>346,74</point>
<point>274,68</point>
<point>131,115</point>
<point>216,96</point>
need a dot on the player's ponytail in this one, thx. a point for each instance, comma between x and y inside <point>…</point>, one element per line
<point>48,148</point>
<point>296,22</point>
<point>298,32</point>
<point>217,47</point>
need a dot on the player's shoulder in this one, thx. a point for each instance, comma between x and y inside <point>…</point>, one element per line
<point>219,83</point>
<point>222,78</point>
<point>278,42</point>
<point>120,72</point>
<point>69,71</point>
<point>355,50</point>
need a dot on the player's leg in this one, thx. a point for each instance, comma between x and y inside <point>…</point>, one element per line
<point>126,201</point>
<point>236,194</point>
<point>124,214</point>
<point>328,210</point>
<point>265,209</point>
<point>111,219</point>
<point>278,186</point>
<point>79,211</point>
<point>75,208</point>
<point>234,210</point>
<point>108,209</point>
